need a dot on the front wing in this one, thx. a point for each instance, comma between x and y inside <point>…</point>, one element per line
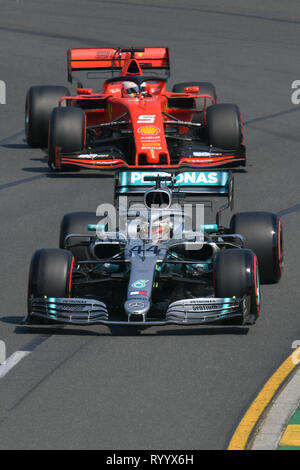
<point>213,158</point>
<point>185,312</point>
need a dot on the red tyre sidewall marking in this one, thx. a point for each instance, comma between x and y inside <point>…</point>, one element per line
<point>255,285</point>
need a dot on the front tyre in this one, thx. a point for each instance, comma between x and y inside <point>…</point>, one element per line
<point>224,127</point>
<point>77,223</point>
<point>40,100</point>
<point>50,275</point>
<point>236,275</point>
<point>262,233</point>
<point>66,132</point>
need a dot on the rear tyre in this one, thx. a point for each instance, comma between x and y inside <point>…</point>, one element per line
<point>66,131</point>
<point>77,222</point>
<point>50,275</point>
<point>205,88</point>
<point>262,232</point>
<point>236,275</point>
<point>40,100</point>
<point>224,126</point>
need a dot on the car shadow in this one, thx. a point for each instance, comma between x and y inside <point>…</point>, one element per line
<point>118,330</point>
<point>16,146</point>
<point>72,173</point>
<point>179,331</point>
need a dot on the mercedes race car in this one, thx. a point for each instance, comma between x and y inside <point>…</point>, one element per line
<point>133,122</point>
<point>152,265</point>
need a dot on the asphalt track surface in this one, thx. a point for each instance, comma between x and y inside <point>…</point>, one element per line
<point>167,388</point>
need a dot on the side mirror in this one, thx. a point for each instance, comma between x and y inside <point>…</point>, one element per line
<point>191,89</point>
<point>84,91</point>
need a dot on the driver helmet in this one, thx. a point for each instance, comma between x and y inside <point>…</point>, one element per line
<point>161,230</point>
<point>144,89</point>
<point>130,90</point>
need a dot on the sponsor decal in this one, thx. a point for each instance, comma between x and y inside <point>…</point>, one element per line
<point>94,156</point>
<point>146,119</point>
<point>206,154</point>
<point>208,301</point>
<point>104,54</point>
<point>140,283</point>
<point>136,305</point>
<point>148,130</point>
<point>151,145</point>
<point>139,293</point>
<point>150,138</point>
<point>187,178</point>
<point>198,178</point>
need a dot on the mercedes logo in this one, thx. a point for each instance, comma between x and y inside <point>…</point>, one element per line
<point>136,305</point>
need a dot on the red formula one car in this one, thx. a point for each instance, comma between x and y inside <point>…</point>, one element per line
<point>133,122</point>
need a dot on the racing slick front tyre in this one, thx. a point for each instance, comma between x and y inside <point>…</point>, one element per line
<point>235,275</point>
<point>205,88</point>
<point>224,126</point>
<point>77,222</point>
<point>50,275</point>
<point>262,233</point>
<point>40,101</point>
<point>66,132</point>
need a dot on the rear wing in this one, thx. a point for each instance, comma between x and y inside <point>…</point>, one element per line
<point>208,183</point>
<point>114,59</point>
<point>191,185</point>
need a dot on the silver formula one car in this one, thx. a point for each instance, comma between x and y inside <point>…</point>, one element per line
<point>156,266</point>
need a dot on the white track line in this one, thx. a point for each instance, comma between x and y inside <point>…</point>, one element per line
<point>12,361</point>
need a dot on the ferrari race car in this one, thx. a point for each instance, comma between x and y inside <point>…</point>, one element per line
<point>133,122</point>
<point>150,266</point>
